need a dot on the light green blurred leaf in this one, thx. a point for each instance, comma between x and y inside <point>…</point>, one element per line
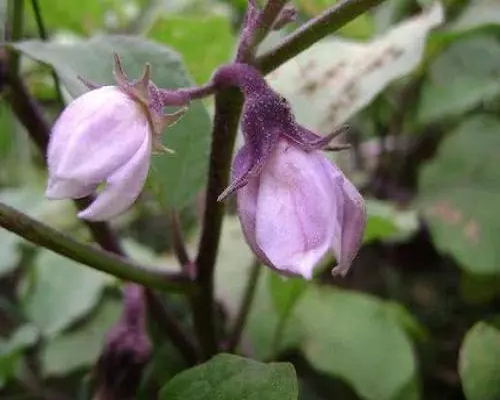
<point>349,335</point>
<point>479,363</point>
<point>334,79</point>
<point>81,347</point>
<point>229,377</point>
<point>204,42</point>
<point>63,291</point>
<point>477,14</point>
<point>461,78</point>
<point>175,178</point>
<point>460,193</point>
<point>385,221</point>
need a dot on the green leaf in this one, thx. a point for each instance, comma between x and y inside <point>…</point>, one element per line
<point>63,291</point>
<point>325,91</point>
<point>204,42</point>
<point>479,362</point>
<point>385,221</point>
<point>349,335</point>
<point>175,178</point>
<point>477,14</point>
<point>229,377</point>
<point>460,192</point>
<point>81,347</point>
<point>11,350</point>
<point>461,78</point>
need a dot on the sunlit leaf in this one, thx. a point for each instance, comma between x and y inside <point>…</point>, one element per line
<point>334,79</point>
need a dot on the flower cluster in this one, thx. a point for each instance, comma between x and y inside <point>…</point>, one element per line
<point>294,204</point>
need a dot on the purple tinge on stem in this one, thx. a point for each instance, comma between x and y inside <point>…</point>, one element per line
<point>293,203</point>
<point>107,136</point>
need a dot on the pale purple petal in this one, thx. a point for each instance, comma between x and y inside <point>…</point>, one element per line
<point>95,135</point>
<point>67,189</point>
<point>123,187</point>
<point>293,205</point>
<point>349,218</point>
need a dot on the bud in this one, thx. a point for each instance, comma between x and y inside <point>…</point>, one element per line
<point>293,203</point>
<point>107,136</point>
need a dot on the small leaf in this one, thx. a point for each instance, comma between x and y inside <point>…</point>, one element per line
<point>175,178</point>
<point>333,79</point>
<point>229,377</point>
<point>63,292</point>
<point>479,362</point>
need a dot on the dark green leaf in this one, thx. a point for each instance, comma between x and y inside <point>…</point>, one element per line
<point>229,377</point>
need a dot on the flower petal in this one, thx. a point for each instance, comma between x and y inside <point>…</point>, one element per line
<point>350,218</point>
<point>95,135</point>
<point>123,187</point>
<point>292,207</point>
<point>67,189</point>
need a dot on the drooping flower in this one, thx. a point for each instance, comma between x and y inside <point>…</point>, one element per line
<point>107,136</point>
<point>294,204</point>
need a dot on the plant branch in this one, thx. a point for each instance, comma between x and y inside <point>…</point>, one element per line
<point>244,310</point>
<point>227,114</point>
<point>43,35</point>
<point>313,31</point>
<point>101,260</point>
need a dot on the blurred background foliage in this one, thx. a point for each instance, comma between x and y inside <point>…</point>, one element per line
<point>417,316</point>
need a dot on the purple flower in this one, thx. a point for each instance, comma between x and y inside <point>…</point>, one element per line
<point>106,136</point>
<point>293,203</point>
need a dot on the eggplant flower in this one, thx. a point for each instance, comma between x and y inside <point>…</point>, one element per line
<point>107,136</point>
<point>294,204</point>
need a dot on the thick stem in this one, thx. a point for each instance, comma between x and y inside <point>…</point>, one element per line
<point>227,113</point>
<point>246,304</point>
<point>313,31</point>
<point>101,260</point>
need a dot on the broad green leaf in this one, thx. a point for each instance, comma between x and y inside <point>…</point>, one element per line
<point>63,291</point>
<point>175,178</point>
<point>204,42</point>
<point>229,377</point>
<point>81,347</point>
<point>479,362</point>
<point>461,78</point>
<point>349,335</point>
<point>460,190</point>
<point>333,79</point>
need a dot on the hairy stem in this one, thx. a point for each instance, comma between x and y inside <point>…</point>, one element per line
<point>313,31</point>
<point>227,113</point>
<point>101,260</point>
<point>246,304</point>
